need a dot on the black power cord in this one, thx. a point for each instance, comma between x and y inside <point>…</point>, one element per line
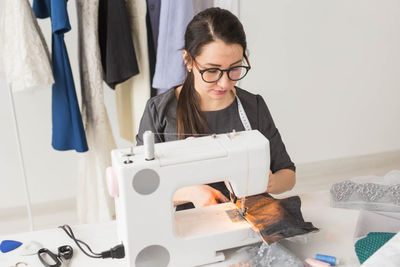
<point>117,252</point>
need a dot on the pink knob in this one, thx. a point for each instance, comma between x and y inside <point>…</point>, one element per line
<point>112,182</point>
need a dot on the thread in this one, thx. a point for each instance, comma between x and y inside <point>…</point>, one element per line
<point>148,142</point>
<point>183,134</point>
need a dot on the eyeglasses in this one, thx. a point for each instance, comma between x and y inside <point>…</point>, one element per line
<point>211,75</point>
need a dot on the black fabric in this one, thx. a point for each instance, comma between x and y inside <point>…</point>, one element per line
<point>153,13</point>
<point>117,51</point>
<point>185,206</point>
<point>152,51</point>
<point>276,219</point>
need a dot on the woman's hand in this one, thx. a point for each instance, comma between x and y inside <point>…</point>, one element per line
<point>199,195</point>
<point>271,182</point>
<point>281,181</point>
<point>205,195</point>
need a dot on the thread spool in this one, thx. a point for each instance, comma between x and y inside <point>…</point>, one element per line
<point>148,143</point>
<point>326,258</point>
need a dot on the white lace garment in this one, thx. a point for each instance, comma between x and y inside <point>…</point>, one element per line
<point>24,51</point>
<point>94,202</point>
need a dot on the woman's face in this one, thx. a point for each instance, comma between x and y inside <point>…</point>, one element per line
<point>216,55</point>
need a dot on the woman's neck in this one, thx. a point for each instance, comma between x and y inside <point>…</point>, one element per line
<point>214,105</point>
<point>210,104</point>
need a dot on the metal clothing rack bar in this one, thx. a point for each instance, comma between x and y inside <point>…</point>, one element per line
<point>22,162</point>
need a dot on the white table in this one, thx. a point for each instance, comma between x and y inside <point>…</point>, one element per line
<point>334,238</point>
<point>336,233</point>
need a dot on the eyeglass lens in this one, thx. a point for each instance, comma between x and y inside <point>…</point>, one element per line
<point>236,73</point>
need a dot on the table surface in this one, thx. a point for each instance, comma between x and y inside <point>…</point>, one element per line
<point>334,238</point>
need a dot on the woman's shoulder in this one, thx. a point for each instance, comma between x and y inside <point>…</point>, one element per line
<point>162,101</point>
<point>248,98</point>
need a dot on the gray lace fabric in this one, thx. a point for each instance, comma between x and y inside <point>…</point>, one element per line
<point>264,255</point>
<point>369,196</point>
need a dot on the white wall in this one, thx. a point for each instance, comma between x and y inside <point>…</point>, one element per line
<point>329,71</point>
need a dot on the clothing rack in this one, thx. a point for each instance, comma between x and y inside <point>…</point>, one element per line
<point>22,162</point>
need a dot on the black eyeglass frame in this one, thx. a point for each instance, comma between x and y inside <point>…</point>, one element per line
<point>221,72</point>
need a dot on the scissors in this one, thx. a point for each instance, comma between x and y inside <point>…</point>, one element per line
<point>62,259</point>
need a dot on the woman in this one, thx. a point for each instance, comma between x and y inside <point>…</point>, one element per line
<point>208,102</point>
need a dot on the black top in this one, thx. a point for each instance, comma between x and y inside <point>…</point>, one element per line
<point>160,117</point>
<point>117,51</point>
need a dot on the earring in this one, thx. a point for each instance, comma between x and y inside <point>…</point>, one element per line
<point>189,70</point>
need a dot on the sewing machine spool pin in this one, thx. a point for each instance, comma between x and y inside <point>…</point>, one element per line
<point>148,143</point>
<point>130,153</point>
<point>127,155</point>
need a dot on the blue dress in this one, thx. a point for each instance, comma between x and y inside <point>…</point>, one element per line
<point>68,130</point>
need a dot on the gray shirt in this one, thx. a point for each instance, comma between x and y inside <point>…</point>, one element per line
<point>160,117</point>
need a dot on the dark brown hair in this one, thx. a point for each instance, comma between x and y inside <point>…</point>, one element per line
<point>206,27</point>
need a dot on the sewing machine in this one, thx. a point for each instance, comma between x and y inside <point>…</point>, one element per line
<point>143,181</point>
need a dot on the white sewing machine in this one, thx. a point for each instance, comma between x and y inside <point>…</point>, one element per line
<point>143,181</point>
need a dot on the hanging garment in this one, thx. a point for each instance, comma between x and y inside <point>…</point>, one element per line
<point>152,25</point>
<point>200,5</point>
<point>116,47</point>
<point>170,68</point>
<point>231,5</point>
<point>131,95</point>
<point>94,202</point>
<point>275,219</point>
<point>25,54</point>
<point>68,131</point>
<point>153,13</point>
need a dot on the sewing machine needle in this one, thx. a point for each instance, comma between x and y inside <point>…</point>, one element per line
<point>243,209</point>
